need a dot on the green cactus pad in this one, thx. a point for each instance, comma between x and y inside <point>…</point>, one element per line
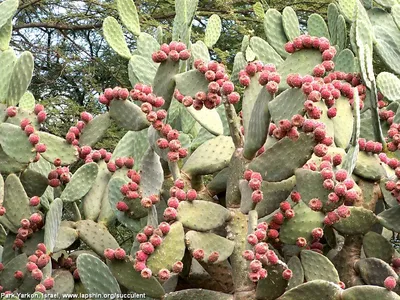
<point>219,182</point>
<point>194,294</point>
<point>344,61</point>
<point>114,36</point>
<point>132,280</point>
<point>316,26</point>
<point>301,225</point>
<point>347,8</point>
<point>341,32</point>
<point>20,78</point>
<point>202,215</point>
<point>301,62</point>
<point>239,63</point>
<point>213,30</point>
<point>273,28</point>
<point>287,104</point>
<point>359,221</point>
<point>317,266</point>
<point>290,23</point>
<point>7,62</point>
<point>374,271</point>
<point>96,276</point>
<point>136,210</point>
<point>250,96</point>
<point>7,10</point>
<point>209,119</point>
<point>63,282</point>
<point>30,245</point>
<point>343,122</point>
<point>95,236</point>
<point>152,174</point>
<point>134,144</point>
<point>200,51</point>
<point>294,264</point>
<point>27,101</point>
<point>389,218</point>
<point>368,166</point>
<point>81,182</point>
<point>257,132</point>
<point>362,292</point>
<point>24,114</point>
<point>164,82</point>
<point>8,282</point>
<point>170,251</point>
<point>396,14</point>
<point>333,14</point>
<point>16,201</point>
<point>34,183</point>
<point>263,51</point>
<point>210,157</point>
<point>309,185</point>
<point>128,115</point>
<point>313,290</point>
<point>141,69</point>
<point>146,46</point>
<point>9,165</point>
<point>191,82</point>
<point>280,160</point>
<point>209,242</point>
<point>273,285</point>
<point>389,85</point>
<point>95,130</point>
<point>375,245</point>
<point>15,143</point>
<point>57,148</point>
<point>66,237</point>
<point>52,224</point>
<point>274,193</point>
<point>92,201</point>
<point>129,16</point>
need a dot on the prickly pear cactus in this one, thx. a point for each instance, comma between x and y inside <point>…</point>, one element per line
<point>294,196</point>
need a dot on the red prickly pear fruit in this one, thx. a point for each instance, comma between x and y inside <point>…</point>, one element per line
<point>351,195</point>
<point>272,87</point>
<point>209,75</point>
<point>328,184</point>
<point>35,218</point>
<point>86,117</point>
<point>198,254</point>
<point>301,242</point>
<point>37,274</point>
<point>255,265</point>
<point>244,80</point>
<point>284,206</point>
<point>146,272</point>
<point>42,247</point>
<point>289,47</point>
<point>173,202</point>
<point>54,182</point>
<point>263,273</point>
<point>148,230</point>
<point>18,275</point>
<point>34,201</point>
<point>247,175</point>
<point>170,214</point>
<point>123,94</point>
<point>298,43</point>
<point>103,100</point>
<point>261,248</point>
<point>18,243</point>
<point>163,274</point>
<point>255,184</point>
<point>252,239</point>
<point>85,150</point>
<point>173,55</point>
<point>349,183</point>
<point>184,55</point>
<point>320,150</point>
<point>333,216</point>
<point>129,162</point>
<point>41,117</point>
<point>38,108</point>
<point>254,277</point>
<point>227,87</point>
<point>295,196</point>
<point>315,204</point>
<point>278,218</point>
<point>109,253</point>
<point>164,227</point>
<point>369,146</point>
<point>343,211</point>
<point>174,145</point>
<point>25,223</point>
<point>33,139</point>
<point>2,211</point>
<point>289,214</point>
<point>139,266</point>
<point>40,148</point>
<point>141,256</point>
<point>155,240</point>
<point>319,70</point>
<point>57,162</point>
<point>272,257</point>
<point>327,173</point>
<point>257,196</point>
<point>287,274</point>
<point>141,237</point>
<point>43,260</point>
<point>29,129</point>
<point>180,195</point>
<point>191,195</point>
<point>248,255</point>
<point>260,234</point>
<point>48,283</point>
<point>24,122</point>
<point>124,189</point>
<point>30,266</point>
<point>75,274</point>
<point>337,159</point>
<point>173,156</point>
<point>40,288</point>
<point>146,202</point>
<point>396,262</point>
<point>390,283</point>
<point>317,233</point>
<point>177,267</point>
<point>147,248</point>
<point>11,111</point>
<point>233,98</point>
<point>122,206</point>
<point>120,162</point>
<point>319,134</point>
<point>323,44</point>
<point>251,69</point>
<point>1,268</point>
<point>111,167</point>
<point>340,189</point>
<point>119,254</point>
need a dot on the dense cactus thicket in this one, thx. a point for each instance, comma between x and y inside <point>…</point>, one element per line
<point>278,179</point>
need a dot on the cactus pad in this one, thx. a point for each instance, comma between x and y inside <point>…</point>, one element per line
<point>128,115</point>
<point>368,292</point>
<point>95,130</point>
<point>115,37</point>
<point>8,281</point>
<point>359,221</point>
<point>389,218</point>
<point>194,294</point>
<point>375,245</point>
<point>313,290</point>
<point>374,271</point>
<point>287,104</point>
<point>15,143</point>
<point>368,166</point>
<point>57,148</point>
<point>273,27</point>
<point>66,237</point>
<point>52,225</point>
<point>273,285</point>
<point>129,16</point>
<point>263,51</point>
<point>16,201</point>
<point>213,30</point>
<point>294,264</point>
<point>290,23</point>
<point>317,266</point>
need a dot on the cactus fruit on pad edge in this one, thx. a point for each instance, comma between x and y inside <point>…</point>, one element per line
<point>278,179</point>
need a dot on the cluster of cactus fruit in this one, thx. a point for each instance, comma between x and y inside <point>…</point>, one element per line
<point>304,191</point>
